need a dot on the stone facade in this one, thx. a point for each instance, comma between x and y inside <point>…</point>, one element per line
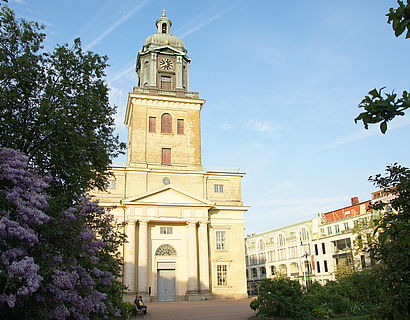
<point>185,224</point>
<point>315,250</point>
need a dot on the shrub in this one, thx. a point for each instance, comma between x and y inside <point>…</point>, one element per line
<point>282,297</point>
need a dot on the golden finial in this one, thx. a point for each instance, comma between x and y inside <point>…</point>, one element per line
<point>164,14</point>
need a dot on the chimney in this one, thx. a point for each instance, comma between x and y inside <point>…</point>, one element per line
<point>354,200</point>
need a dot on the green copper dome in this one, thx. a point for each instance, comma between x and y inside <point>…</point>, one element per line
<point>163,37</point>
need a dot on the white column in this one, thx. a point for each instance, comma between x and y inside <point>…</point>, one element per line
<point>203,257</point>
<point>129,259</point>
<point>143,257</point>
<point>192,259</point>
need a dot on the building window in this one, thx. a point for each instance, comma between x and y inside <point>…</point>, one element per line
<point>323,248</point>
<point>325,264</point>
<point>165,230</point>
<point>329,230</point>
<point>316,250</point>
<point>293,252</point>
<point>180,126</point>
<point>221,274</point>
<point>219,188</point>
<point>272,270</point>
<point>318,266</point>
<point>111,184</point>
<point>304,235</point>
<point>263,272</point>
<point>166,123</point>
<point>254,273</point>
<point>165,250</point>
<point>166,83</point>
<point>282,254</point>
<point>346,226</point>
<point>164,28</point>
<point>151,125</point>
<point>220,240</point>
<point>281,240</point>
<point>166,156</point>
<point>355,223</point>
<point>337,229</point>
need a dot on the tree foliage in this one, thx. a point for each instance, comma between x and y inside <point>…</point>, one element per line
<point>399,18</point>
<point>382,109</point>
<point>393,246</point>
<point>53,268</point>
<point>54,108</point>
<point>59,254</point>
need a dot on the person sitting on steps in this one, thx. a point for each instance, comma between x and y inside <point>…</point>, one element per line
<point>140,304</point>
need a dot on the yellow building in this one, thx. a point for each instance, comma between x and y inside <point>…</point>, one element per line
<point>185,223</point>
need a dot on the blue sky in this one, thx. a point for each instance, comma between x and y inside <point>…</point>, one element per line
<point>282,80</point>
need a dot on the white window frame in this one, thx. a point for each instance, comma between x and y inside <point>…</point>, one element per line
<point>221,275</point>
<point>218,188</point>
<point>166,230</point>
<point>220,239</point>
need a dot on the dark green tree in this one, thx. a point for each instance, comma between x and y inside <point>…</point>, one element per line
<point>393,246</point>
<point>392,250</point>
<point>54,108</point>
<point>382,108</point>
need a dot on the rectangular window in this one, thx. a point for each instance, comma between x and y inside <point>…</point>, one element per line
<point>329,230</point>
<point>166,156</point>
<point>337,229</point>
<point>316,250</point>
<point>272,270</point>
<point>323,248</point>
<point>166,83</point>
<point>221,274</point>
<point>318,266</point>
<point>219,188</point>
<point>180,126</point>
<point>346,226</point>
<point>325,264</point>
<point>111,184</point>
<point>152,123</point>
<point>165,230</point>
<point>254,273</point>
<point>355,223</point>
<point>220,240</point>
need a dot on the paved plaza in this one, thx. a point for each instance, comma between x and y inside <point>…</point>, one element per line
<point>198,310</point>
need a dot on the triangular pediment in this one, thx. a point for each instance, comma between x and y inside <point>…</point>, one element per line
<point>168,195</point>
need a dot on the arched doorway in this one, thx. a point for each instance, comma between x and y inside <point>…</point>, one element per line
<point>165,274</point>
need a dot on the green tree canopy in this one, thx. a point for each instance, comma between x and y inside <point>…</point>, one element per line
<point>54,108</point>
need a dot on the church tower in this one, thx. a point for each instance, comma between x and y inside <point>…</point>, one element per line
<point>163,116</point>
<point>184,223</point>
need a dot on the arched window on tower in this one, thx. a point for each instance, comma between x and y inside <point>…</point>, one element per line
<point>166,123</point>
<point>164,28</point>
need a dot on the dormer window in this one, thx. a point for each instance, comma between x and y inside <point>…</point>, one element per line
<point>164,28</point>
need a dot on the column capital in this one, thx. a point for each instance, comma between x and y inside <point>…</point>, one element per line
<point>203,224</point>
<point>191,223</point>
<point>143,221</point>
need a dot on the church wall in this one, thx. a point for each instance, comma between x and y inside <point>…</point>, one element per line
<point>233,257</point>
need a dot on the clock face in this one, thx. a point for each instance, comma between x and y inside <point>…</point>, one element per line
<point>165,64</point>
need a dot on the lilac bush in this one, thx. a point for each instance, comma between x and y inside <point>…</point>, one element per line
<point>53,267</point>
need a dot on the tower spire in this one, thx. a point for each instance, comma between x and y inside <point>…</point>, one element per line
<point>164,12</point>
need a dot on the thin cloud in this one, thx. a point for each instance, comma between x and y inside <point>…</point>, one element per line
<point>128,69</point>
<point>290,202</point>
<point>363,134</point>
<point>200,21</point>
<point>262,126</point>
<point>115,25</point>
